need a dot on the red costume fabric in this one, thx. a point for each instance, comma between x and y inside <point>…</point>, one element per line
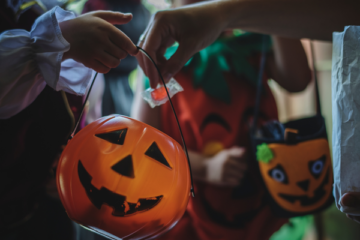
<point>219,212</point>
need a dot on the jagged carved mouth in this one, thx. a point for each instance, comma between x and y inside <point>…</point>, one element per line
<point>121,208</point>
<point>305,200</point>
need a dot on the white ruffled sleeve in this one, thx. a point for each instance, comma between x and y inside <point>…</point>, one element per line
<point>30,60</point>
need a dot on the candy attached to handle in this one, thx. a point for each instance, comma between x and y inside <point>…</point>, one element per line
<point>156,97</point>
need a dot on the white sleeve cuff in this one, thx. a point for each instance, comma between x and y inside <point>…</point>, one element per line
<point>74,77</point>
<point>49,43</point>
<point>29,60</point>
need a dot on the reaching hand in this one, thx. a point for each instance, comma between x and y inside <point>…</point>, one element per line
<point>351,200</point>
<point>227,167</point>
<point>194,27</point>
<point>95,42</point>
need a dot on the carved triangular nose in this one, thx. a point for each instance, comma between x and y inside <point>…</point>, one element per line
<point>304,185</point>
<point>124,167</point>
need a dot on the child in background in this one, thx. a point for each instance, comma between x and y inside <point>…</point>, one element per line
<point>37,60</point>
<point>214,111</point>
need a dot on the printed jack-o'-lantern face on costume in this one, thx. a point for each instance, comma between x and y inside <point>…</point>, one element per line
<point>298,176</point>
<point>210,126</point>
<point>123,178</point>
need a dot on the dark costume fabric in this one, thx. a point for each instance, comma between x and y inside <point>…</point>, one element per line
<point>30,143</point>
<point>118,95</point>
<point>214,111</point>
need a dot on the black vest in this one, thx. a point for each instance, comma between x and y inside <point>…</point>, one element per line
<point>31,140</point>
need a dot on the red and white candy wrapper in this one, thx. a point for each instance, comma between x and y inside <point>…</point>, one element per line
<point>156,97</point>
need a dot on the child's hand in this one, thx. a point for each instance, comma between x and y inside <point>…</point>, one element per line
<point>227,167</point>
<point>95,42</point>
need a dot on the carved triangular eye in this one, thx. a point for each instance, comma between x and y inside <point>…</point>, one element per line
<point>125,167</point>
<point>116,137</point>
<point>155,153</point>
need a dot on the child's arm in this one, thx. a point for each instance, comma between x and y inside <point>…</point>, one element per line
<point>31,60</point>
<point>288,65</point>
<point>95,42</point>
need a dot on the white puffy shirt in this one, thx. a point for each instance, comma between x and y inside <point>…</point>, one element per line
<point>30,60</point>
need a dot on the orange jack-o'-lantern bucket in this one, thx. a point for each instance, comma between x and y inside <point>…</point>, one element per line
<point>124,179</point>
<point>295,162</point>
<point>295,165</point>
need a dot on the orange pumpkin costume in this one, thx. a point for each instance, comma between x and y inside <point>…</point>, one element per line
<point>210,125</point>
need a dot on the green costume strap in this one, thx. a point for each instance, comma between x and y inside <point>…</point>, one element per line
<point>226,54</point>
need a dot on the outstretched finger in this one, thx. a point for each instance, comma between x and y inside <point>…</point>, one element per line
<point>140,57</point>
<point>147,65</point>
<point>114,17</point>
<point>148,68</point>
<point>155,40</point>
